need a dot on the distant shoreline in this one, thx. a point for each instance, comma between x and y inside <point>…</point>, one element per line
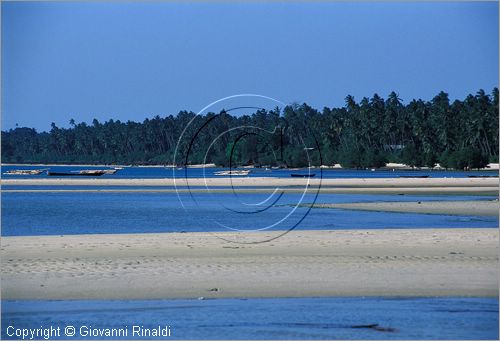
<point>389,166</point>
<point>80,165</point>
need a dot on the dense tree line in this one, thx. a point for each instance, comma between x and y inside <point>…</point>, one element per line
<point>368,133</point>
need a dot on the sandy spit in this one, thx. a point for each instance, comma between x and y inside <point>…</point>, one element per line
<point>452,186</point>
<point>413,262</point>
<point>263,181</point>
<point>492,191</point>
<point>477,207</point>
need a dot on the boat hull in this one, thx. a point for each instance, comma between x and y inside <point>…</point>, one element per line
<point>73,174</point>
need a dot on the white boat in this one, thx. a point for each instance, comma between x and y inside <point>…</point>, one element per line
<point>233,172</point>
<point>96,171</point>
<point>25,171</point>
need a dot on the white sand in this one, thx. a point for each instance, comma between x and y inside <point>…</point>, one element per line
<point>424,262</point>
<point>470,186</point>
<point>493,191</point>
<point>260,182</point>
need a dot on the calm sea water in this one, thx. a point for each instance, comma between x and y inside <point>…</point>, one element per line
<point>53,213</point>
<point>282,318</point>
<point>161,172</point>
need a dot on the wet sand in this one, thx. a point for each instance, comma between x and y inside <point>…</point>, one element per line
<point>423,262</point>
<point>476,207</point>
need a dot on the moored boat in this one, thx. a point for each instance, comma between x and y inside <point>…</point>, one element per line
<point>302,175</point>
<point>97,172</point>
<point>233,172</point>
<point>85,172</point>
<point>482,176</point>
<point>25,171</point>
<point>414,176</point>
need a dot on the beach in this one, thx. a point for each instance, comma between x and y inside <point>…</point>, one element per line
<point>409,262</point>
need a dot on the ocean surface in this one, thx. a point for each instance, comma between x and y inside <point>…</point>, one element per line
<point>456,318</point>
<point>162,172</point>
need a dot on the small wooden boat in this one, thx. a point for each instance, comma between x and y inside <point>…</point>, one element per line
<point>414,176</point>
<point>233,173</point>
<point>25,171</point>
<point>300,175</point>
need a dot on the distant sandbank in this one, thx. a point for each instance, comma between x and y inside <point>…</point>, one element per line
<point>450,186</point>
<point>489,191</point>
<point>264,182</point>
<point>413,262</point>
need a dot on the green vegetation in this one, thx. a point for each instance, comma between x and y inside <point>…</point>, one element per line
<point>462,134</point>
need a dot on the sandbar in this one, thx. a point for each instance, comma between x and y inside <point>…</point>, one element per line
<point>262,181</point>
<point>445,186</point>
<point>466,207</point>
<point>399,262</point>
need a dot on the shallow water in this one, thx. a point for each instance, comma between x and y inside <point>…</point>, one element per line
<point>272,318</point>
<point>52,213</point>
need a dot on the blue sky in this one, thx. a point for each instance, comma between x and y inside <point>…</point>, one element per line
<point>130,61</point>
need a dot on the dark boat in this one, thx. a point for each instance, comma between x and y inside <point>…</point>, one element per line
<point>482,176</point>
<point>414,176</point>
<point>298,175</point>
<point>79,173</point>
